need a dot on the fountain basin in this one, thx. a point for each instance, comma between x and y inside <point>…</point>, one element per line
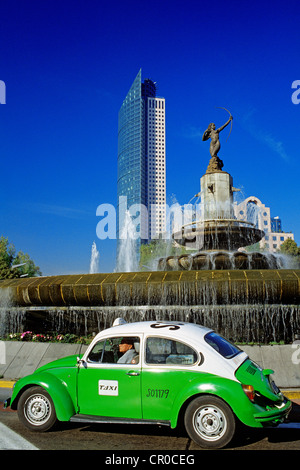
<point>188,287</point>
<point>222,259</point>
<point>218,235</point>
<point>243,305</point>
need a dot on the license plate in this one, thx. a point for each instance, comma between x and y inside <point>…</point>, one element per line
<point>274,387</point>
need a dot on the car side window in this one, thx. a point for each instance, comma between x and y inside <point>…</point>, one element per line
<point>167,351</point>
<point>97,352</point>
<point>116,350</point>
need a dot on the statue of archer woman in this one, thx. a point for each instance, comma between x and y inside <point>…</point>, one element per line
<point>213,133</point>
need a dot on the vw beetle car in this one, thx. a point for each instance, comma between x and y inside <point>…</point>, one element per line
<point>174,369</point>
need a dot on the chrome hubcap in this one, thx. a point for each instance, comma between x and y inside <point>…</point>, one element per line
<point>37,409</point>
<point>210,422</point>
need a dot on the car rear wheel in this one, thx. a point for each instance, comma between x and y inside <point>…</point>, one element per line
<point>36,409</point>
<point>209,422</point>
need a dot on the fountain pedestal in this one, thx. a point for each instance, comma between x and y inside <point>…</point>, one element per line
<point>217,228</point>
<point>217,196</point>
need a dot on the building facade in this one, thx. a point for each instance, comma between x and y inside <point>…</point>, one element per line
<point>142,159</point>
<point>156,166</point>
<point>254,211</point>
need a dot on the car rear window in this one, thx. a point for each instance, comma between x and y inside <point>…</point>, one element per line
<point>222,345</point>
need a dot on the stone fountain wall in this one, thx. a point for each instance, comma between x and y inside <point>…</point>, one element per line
<point>243,305</point>
<point>220,287</point>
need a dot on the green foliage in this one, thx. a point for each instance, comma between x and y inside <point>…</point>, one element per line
<point>253,248</point>
<point>29,267</point>
<point>151,252</point>
<point>9,258</point>
<point>289,247</point>
<point>7,253</point>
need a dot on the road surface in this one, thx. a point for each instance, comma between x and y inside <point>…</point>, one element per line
<point>118,438</point>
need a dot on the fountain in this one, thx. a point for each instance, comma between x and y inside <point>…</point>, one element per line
<point>94,263</point>
<point>217,236</point>
<point>246,297</point>
<point>127,256</point>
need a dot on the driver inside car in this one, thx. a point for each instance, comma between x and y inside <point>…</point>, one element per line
<point>126,348</point>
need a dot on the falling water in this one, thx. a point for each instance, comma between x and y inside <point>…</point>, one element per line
<point>5,302</point>
<point>94,264</point>
<point>127,260</point>
<point>239,323</point>
<point>243,305</point>
<point>11,319</point>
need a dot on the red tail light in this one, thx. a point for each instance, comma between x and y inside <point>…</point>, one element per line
<point>249,391</point>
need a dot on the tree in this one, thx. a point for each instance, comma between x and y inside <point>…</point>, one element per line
<point>289,247</point>
<point>9,259</point>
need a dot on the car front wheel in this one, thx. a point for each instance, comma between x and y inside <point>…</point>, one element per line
<point>36,409</point>
<point>209,422</point>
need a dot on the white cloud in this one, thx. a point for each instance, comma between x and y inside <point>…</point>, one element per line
<point>61,211</point>
<point>263,136</point>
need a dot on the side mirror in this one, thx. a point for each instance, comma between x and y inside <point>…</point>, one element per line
<point>80,362</point>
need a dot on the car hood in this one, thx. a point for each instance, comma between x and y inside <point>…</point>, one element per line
<point>68,361</point>
<point>249,373</point>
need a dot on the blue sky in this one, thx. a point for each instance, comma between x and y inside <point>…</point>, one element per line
<point>67,67</point>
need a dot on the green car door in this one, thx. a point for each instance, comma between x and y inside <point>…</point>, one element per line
<point>164,375</point>
<point>109,381</point>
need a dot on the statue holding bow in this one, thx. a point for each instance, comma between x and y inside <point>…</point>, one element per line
<point>213,133</point>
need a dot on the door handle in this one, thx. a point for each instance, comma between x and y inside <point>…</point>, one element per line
<point>132,372</point>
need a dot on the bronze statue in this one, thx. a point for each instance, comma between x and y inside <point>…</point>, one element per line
<point>211,132</point>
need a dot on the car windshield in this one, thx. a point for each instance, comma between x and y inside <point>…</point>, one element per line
<point>224,347</point>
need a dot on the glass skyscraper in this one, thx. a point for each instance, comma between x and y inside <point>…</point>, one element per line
<point>141,158</point>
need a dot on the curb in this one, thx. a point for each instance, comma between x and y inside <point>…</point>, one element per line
<point>7,383</point>
<point>291,394</point>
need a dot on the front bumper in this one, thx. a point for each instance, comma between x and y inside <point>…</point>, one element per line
<point>7,403</point>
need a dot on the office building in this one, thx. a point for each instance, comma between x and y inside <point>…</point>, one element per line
<point>142,158</point>
<point>254,211</point>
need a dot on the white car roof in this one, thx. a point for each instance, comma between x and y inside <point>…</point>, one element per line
<point>184,330</point>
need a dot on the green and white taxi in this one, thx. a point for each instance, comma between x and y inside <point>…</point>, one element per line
<point>154,372</point>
